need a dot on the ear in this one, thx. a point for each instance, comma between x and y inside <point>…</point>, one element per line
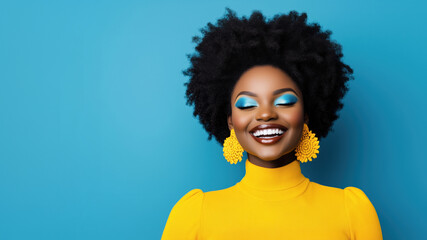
<point>230,123</point>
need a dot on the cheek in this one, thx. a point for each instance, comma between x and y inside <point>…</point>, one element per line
<point>295,116</point>
<point>240,120</point>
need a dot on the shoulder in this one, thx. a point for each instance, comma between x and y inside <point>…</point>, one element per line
<point>189,204</point>
<point>355,197</point>
<point>194,195</point>
<point>184,218</point>
<point>363,218</point>
<point>357,201</point>
<point>351,195</point>
<point>333,195</point>
<point>357,209</point>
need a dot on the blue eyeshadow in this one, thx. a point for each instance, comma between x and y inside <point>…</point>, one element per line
<point>245,102</point>
<point>286,99</point>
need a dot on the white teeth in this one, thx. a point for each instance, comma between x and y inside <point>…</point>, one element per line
<point>269,131</point>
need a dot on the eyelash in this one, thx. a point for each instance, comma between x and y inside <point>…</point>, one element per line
<point>285,104</point>
<point>246,107</point>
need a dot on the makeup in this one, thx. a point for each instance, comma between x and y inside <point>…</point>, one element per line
<point>246,102</point>
<point>286,99</point>
<point>268,133</point>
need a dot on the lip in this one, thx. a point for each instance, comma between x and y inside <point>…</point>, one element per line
<point>268,141</point>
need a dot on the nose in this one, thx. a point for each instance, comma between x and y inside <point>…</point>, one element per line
<point>266,113</point>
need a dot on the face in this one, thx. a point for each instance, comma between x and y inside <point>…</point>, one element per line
<point>267,112</point>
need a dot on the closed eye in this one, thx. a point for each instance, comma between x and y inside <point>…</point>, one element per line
<point>246,107</point>
<point>246,103</point>
<point>286,100</point>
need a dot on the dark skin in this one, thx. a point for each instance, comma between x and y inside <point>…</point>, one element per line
<point>263,86</point>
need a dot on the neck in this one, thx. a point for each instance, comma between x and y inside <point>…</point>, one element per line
<point>280,162</point>
<point>272,182</point>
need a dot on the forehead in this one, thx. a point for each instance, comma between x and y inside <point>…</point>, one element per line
<point>264,80</point>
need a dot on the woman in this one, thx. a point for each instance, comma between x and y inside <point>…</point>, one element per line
<point>271,88</point>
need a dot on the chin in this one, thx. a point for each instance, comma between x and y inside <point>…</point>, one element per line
<point>268,156</point>
<point>271,156</point>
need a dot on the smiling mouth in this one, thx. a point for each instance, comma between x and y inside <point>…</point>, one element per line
<point>268,133</point>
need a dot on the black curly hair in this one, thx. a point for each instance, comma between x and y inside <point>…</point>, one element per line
<point>287,42</point>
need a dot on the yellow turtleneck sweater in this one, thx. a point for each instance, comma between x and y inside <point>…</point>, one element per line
<point>274,203</point>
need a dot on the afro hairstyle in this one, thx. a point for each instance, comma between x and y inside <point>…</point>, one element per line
<point>232,46</point>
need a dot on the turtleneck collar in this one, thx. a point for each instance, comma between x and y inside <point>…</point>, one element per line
<point>274,183</point>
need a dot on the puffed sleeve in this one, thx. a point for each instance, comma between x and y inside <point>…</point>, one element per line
<point>363,219</point>
<point>184,218</point>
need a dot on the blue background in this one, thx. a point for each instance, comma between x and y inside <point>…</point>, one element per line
<point>96,141</point>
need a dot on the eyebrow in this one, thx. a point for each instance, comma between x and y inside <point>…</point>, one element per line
<point>278,91</point>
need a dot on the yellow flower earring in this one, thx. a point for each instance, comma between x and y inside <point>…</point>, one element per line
<point>233,151</point>
<point>308,146</point>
